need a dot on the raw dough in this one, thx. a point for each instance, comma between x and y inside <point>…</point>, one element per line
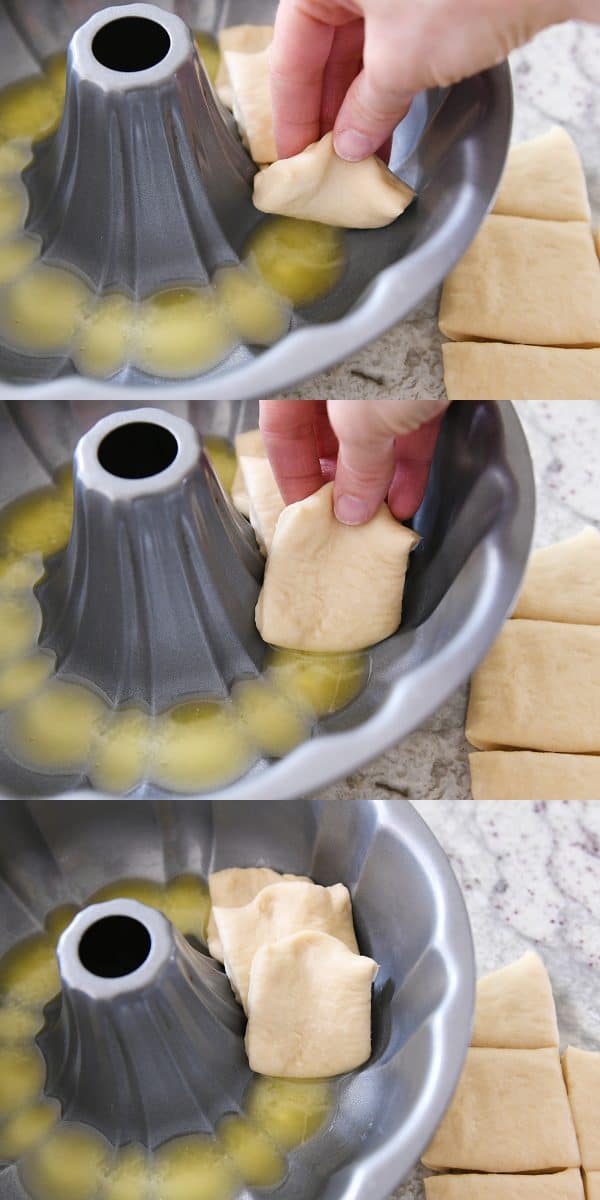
<point>277,911</point>
<point>319,592</point>
<point>265,501</point>
<point>565,1185</point>
<point>534,282</point>
<point>309,1008</point>
<point>582,1074</point>
<point>563,581</point>
<point>251,84</point>
<point>247,39</point>
<point>495,371</point>
<point>529,775</point>
<point>538,689</point>
<point>251,445</point>
<point>510,1113</point>
<point>515,1007</point>
<point>592,1185</point>
<point>544,178</point>
<point>236,886</point>
<point>316,185</point>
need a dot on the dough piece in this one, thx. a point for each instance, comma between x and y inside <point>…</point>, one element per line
<point>246,39</point>
<point>495,371</point>
<point>316,185</point>
<point>533,282</point>
<point>309,1008</point>
<point>592,1185</point>
<point>277,911</point>
<point>544,178</point>
<point>538,689</point>
<point>515,1007</point>
<point>236,886</point>
<point>582,1074</point>
<point>510,1113</point>
<point>249,74</point>
<point>563,581</point>
<point>265,500</point>
<point>319,593</point>
<point>529,775</point>
<point>249,444</point>
<point>564,1185</point>
<point>597,241</point>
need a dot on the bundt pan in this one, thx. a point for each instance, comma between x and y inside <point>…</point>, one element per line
<point>145,186</point>
<point>154,1036</point>
<point>153,598</point>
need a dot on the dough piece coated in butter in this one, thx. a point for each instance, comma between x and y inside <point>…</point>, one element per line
<point>251,86</point>
<point>582,1073</point>
<point>515,1007</point>
<point>496,371</point>
<point>532,282</point>
<point>510,1114</point>
<point>278,911</point>
<point>316,185</point>
<point>265,501</point>
<point>564,1185</point>
<point>531,775</point>
<point>246,39</point>
<point>250,445</point>
<point>234,887</point>
<point>309,1008</point>
<point>538,689</point>
<point>562,582</point>
<point>544,179</point>
<point>330,587</point>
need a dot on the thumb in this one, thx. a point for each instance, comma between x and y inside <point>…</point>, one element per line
<point>374,102</point>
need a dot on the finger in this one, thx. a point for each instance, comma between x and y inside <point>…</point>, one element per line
<point>288,430</point>
<point>366,458</point>
<point>299,52</point>
<point>376,100</point>
<point>327,443</point>
<point>414,455</point>
<point>343,65</point>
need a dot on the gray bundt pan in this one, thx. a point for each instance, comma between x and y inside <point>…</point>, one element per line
<point>476,524</point>
<point>410,916</point>
<point>87,191</point>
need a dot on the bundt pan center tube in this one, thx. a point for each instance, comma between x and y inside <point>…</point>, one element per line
<point>146,187</point>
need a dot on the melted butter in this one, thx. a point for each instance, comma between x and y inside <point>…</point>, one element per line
<point>19,574</point>
<point>120,751</point>
<point>14,157</point>
<point>223,459</point>
<point>301,260</point>
<point>102,344</point>
<point>13,207</point>
<point>272,721</point>
<point>17,256</point>
<point>193,1168</point>
<point>144,890</point>
<point>18,680</point>
<point>19,625</point>
<point>209,53</point>
<point>257,1160</point>
<point>29,972</point>
<point>56,73</point>
<point>58,920</point>
<point>23,1131</point>
<point>39,522</point>
<point>42,310</point>
<point>181,332</point>
<point>70,1165</point>
<point>22,1075</point>
<point>55,729</point>
<point>289,1110</point>
<point>199,745</point>
<point>255,313</point>
<point>30,109</point>
<point>324,683</point>
<point>186,903</point>
<point>18,1024</point>
<point>130,1176</point>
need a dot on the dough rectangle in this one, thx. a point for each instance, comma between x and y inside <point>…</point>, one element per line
<point>582,1074</point>
<point>564,1185</point>
<point>544,179</point>
<point>562,582</point>
<point>510,1114</point>
<point>534,775</point>
<point>515,1007</point>
<point>497,371</point>
<point>538,689</point>
<point>532,282</point>
<point>592,1185</point>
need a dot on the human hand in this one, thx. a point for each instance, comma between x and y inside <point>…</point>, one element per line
<point>354,65</point>
<point>373,449</point>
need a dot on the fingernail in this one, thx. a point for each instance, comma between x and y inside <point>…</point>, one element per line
<point>352,145</point>
<point>350,510</point>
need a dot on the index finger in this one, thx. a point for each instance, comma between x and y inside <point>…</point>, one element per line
<point>288,430</point>
<point>299,52</point>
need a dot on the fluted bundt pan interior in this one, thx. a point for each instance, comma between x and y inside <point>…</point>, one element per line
<point>152,601</point>
<point>137,212</point>
<point>154,1036</point>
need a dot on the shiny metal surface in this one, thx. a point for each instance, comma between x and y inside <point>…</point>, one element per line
<point>410,916</point>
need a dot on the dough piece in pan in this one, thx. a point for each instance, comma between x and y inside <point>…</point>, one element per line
<point>497,371</point>
<point>515,1007</point>
<point>582,1074</point>
<point>251,86</point>
<point>592,1185</point>
<point>531,775</point>
<point>265,502</point>
<point>309,1008</point>
<point>538,689</point>
<point>564,1185</point>
<point>562,582</point>
<point>245,39</point>
<point>532,282</point>
<point>249,444</point>
<point>510,1114</point>
<point>234,887</point>
<point>544,178</point>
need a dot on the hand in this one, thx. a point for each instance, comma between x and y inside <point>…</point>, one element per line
<point>373,449</point>
<point>354,65</point>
